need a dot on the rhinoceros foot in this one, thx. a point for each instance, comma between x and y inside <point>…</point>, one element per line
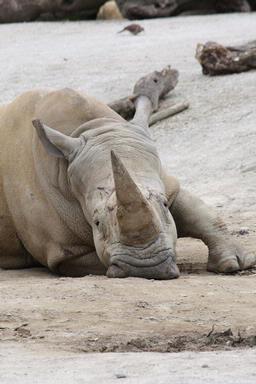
<point>229,257</point>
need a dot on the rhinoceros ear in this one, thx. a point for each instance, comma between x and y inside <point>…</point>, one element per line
<point>56,143</point>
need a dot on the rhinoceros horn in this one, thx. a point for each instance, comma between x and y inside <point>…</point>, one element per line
<point>135,216</point>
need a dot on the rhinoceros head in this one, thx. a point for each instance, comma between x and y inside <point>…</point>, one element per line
<point>145,229</point>
<point>133,230</point>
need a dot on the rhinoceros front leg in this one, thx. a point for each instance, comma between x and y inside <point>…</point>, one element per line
<point>74,261</point>
<point>195,219</point>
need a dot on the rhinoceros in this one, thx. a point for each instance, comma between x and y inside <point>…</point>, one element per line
<point>83,191</point>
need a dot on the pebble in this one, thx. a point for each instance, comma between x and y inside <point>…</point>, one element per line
<point>244,231</point>
<point>120,376</point>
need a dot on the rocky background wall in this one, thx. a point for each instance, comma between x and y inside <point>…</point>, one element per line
<point>30,10</point>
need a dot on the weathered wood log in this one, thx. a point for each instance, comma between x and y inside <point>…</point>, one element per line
<point>216,59</point>
<point>166,80</point>
<point>141,9</point>
<point>29,10</point>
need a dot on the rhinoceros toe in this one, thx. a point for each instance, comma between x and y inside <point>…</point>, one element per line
<point>229,258</point>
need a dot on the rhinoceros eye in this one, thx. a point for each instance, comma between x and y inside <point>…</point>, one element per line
<point>101,228</point>
<point>166,204</point>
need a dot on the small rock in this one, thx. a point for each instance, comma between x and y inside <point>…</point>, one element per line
<point>252,341</point>
<point>23,332</point>
<point>21,326</point>
<point>248,167</point>
<point>151,318</point>
<point>243,231</point>
<point>205,366</point>
<point>120,376</point>
<point>142,304</point>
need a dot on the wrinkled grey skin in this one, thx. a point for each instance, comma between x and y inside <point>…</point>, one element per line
<point>86,193</point>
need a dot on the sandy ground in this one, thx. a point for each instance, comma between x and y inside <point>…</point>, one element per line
<point>210,147</point>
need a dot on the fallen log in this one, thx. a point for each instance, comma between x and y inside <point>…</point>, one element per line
<point>217,59</point>
<point>166,80</point>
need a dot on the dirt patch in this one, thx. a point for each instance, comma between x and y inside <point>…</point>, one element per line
<point>225,340</point>
<point>198,312</point>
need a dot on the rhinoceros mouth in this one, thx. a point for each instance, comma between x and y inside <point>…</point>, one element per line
<point>160,267</point>
<point>147,261</point>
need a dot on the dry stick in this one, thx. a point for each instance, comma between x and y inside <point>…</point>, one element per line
<point>167,112</point>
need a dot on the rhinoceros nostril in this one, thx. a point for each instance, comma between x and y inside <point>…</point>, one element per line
<point>115,271</point>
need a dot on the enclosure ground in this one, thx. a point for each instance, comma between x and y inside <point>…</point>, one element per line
<point>97,314</point>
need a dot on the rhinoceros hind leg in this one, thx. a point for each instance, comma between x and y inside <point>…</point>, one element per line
<point>19,261</point>
<point>195,219</point>
<point>13,254</point>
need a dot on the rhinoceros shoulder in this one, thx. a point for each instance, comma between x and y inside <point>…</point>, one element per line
<point>16,116</point>
<point>66,109</point>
